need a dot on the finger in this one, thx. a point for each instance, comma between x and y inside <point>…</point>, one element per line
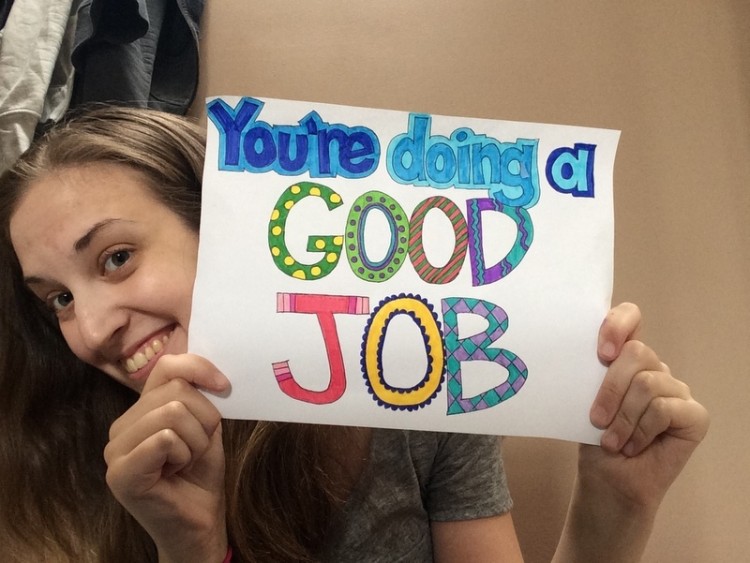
<point>645,392</point>
<point>190,367</point>
<point>177,390</point>
<point>683,419</point>
<point>174,416</point>
<point>654,421</point>
<point>621,324</point>
<point>640,412</point>
<point>634,358</point>
<point>137,472</point>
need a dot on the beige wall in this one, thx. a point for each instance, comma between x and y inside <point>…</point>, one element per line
<point>674,76</point>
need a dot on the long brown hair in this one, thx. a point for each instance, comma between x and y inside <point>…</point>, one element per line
<point>55,411</point>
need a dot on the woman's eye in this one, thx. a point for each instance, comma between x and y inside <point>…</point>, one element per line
<point>116,260</point>
<point>61,301</point>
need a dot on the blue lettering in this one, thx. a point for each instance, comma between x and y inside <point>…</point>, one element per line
<point>465,160</point>
<point>297,164</point>
<point>571,170</point>
<point>323,150</point>
<point>405,159</point>
<point>259,148</point>
<point>230,124</point>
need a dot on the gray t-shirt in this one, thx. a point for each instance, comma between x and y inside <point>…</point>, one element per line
<point>413,478</point>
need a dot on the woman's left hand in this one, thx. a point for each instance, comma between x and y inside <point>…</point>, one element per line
<point>651,422</point>
<point>651,426</point>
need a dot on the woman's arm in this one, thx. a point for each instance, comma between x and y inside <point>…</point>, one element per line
<point>165,461</point>
<point>651,427</point>
<point>484,540</point>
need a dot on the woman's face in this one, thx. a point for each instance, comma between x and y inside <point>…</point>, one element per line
<point>114,264</point>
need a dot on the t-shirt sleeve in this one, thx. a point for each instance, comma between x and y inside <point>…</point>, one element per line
<point>467,480</point>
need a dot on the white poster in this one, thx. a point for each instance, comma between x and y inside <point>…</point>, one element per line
<point>381,268</point>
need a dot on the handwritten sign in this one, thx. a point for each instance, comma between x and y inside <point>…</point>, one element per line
<point>381,268</point>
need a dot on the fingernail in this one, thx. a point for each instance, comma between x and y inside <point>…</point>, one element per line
<point>221,381</point>
<point>608,350</point>
<point>599,417</point>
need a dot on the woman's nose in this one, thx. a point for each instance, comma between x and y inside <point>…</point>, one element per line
<point>100,321</point>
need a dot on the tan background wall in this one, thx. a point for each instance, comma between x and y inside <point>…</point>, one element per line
<point>674,76</point>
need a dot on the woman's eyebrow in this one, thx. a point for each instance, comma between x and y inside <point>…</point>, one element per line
<point>82,243</point>
<point>33,280</point>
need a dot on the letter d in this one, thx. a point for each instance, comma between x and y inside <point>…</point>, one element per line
<point>405,157</point>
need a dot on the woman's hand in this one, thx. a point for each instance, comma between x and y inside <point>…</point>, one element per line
<point>166,461</point>
<point>651,426</point>
<point>651,422</point>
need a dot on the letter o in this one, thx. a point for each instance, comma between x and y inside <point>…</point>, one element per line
<point>264,157</point>
<point>422,314</point>
<point>422,266</point>
<point>361,265</point>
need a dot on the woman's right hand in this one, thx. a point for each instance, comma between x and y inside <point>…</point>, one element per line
<point>165,460</point>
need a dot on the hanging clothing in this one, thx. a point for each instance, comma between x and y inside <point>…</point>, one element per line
<point>142,53</point>
<point>36,77</point>
<point>5,6</point>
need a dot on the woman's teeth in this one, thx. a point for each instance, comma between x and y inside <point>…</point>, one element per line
<point>142,357</point>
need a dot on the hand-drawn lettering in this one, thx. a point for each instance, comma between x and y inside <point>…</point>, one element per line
<point>571,171</point>
<point>444,350</point>
<point>465,160</point>
<point>321,149</point>
<point>455,197</point>
<point>328,245</point>
<point>324,307</point>
<point>231,123</point>
<point>450,270</point>
<point>424,317</point>
<point>354,235</point>
<point>480,273</point>
<point>405,238</point>
<point>477,348</point>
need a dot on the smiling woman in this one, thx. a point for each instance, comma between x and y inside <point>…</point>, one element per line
<point>98,240</point>
<point>99,230</point>
<point>114,265</point>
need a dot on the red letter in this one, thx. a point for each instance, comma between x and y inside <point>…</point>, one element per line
<point>324,306</point>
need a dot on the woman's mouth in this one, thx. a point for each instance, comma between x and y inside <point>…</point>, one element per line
<point>138,360</point>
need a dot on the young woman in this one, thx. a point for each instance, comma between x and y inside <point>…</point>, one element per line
<point>99,242</point>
